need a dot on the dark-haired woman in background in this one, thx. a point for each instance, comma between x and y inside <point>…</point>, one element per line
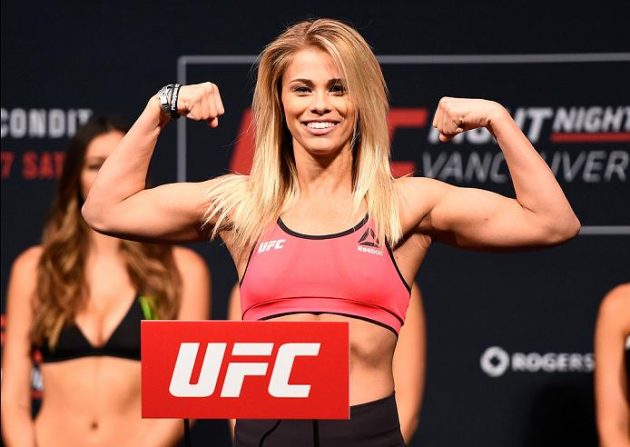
<point>612,368</point>
<point>78,298</point>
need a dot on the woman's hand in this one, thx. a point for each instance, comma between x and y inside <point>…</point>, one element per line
<point>119,201</point>
<point>200,102</point>
<point>456,115</point>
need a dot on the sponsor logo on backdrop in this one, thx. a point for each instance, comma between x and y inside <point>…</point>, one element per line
<point>580,144</point>
<point>37,127</point>
<point>41,123</point>
<point>495,361</point>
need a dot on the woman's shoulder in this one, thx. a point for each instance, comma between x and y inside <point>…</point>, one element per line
<point>617,299</point>
<point>23,279</point>
<point>425,185</point>
<point>28,260</point>
<point>189,262</point>
<point>420,194</point>
<point>616,305</point>
<point>186,256</point>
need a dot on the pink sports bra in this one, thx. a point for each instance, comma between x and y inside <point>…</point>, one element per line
<point>345,273</point>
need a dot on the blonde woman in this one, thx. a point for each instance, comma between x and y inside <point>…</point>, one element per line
<point>408,364</point>
<point>612,368</point>
<point>78,298</point>
<point>347,238</point>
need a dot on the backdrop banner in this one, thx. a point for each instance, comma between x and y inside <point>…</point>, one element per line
<point>510,352</point>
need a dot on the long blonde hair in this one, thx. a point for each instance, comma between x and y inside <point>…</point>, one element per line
<point>62,288</point>
<point>247,205</point>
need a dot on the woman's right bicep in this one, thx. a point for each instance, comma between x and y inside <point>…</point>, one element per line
<point>168,213</point>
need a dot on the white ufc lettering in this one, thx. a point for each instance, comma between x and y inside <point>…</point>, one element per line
<point>279,386</point>
<point>279,383</point>
<point>266,246</point>
<point>180,380</point>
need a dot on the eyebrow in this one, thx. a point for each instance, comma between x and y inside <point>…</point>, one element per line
<point>310,83</point>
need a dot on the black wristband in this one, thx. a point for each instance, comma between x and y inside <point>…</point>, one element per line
<point>173,100</point>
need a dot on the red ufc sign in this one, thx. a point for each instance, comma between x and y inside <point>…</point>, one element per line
<point>245,369</point>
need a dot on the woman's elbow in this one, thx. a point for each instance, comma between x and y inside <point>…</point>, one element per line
<point>409,426</point>
<point>564,229</point>
<point>93,216</point>
<point>572,227</point>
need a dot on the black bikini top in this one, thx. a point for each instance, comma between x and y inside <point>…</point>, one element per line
<point>123,343</point>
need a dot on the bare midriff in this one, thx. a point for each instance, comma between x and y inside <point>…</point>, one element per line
<point>371,352</point>
<point>91,401</point>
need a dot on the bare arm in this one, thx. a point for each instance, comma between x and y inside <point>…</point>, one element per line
<point>119,204</point>
<point>409,366</point>
<point>468,217</point>
<point>611,387</point>
<point>17,424</point>
<point>195,305</point>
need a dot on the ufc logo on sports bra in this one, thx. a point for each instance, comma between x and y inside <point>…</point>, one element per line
<point>269,245</point>
<point>245,369</point>
<point>279,386</point>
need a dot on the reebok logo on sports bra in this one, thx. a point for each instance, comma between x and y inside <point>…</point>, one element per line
<point>368,243</point>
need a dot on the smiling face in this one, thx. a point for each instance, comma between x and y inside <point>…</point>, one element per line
<point>95,155</point>
<point>317,107</point>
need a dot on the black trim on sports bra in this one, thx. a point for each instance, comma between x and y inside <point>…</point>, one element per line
<point>314,312</point>
<point>240,283</point>
<point>322,236</point>
<point>402,278</point>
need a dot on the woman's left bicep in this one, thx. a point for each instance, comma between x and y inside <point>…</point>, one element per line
<point>475,218</point>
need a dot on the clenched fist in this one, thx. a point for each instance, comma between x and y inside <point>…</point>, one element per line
<point>456,115</point>
<point>200,102</point>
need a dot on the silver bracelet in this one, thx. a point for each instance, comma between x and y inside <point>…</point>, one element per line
<point>164,96</point>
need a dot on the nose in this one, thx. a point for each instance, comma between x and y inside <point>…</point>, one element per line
<point>320,104</point>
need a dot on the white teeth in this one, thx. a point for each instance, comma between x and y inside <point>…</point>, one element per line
<point>320,125</point>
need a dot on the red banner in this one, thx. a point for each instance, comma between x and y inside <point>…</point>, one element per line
<point>245,369</point>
